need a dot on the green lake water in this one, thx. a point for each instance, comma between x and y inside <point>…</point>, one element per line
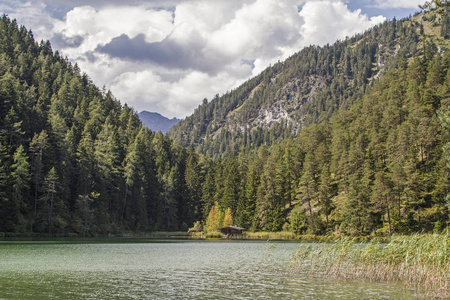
<point>168,269</point>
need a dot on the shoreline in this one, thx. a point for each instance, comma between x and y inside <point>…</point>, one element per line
<point>273,236</point>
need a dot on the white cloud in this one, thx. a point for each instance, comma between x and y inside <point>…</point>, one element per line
<point>31,13</point>
<point>146,89</point>
<point>259,30</point>
<point>190,51</point>
<point>206,15</point>
<point>101,26</point>
<point>323,22</point>
<point>326,22</point>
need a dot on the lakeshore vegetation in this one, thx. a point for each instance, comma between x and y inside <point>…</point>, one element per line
<point>420,261</point>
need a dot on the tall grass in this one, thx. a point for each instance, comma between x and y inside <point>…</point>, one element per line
<point>287,235</point>
<point>420,261</point>
<point>264,235</point>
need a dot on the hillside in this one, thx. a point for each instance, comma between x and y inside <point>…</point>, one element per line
<point>306,88</point>
<point>73,161</point>
<point>157,122</point>
<point>342,139</point>
<point>379,166</point>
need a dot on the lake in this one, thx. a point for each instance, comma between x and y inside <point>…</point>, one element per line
<point>168,269</point>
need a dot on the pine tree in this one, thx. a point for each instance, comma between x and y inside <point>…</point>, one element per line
<point>444,116</point>
<point>208,188</point>
<point>193,185</point>
<point>307,187</point>
<point>84,210</point>
<point>48,199</point>
<point>413,191</point>
<point>382,191</point>
<point>169,205</point>
<point>20,171</point>
<point>7,207</point>
<point>38,148</point>
<point>232,184</point>
<point>325,193</point>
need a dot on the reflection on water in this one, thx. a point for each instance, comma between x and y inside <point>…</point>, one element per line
<point>168,270</point>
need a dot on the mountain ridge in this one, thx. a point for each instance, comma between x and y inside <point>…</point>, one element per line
<point>306,88</point>
<point>157,122</point>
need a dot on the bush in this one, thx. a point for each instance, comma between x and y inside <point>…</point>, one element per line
<point>196,228</point>
<point>214,234</point>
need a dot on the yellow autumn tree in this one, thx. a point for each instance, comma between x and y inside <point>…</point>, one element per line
<point>228,220</point>
<point>212,221</point>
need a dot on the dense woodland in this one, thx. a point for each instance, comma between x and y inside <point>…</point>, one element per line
<point>374,159</point>
<point>72,159</point>
<point>378,167</point>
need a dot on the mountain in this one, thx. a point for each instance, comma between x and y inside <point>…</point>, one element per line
<point>351,138</point>
<point>156,122</point>
<point>306,88</point>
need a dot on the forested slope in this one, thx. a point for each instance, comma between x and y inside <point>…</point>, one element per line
<point>306,88</point>
<point>375,168</point>
<point>379,164</point>
<point>72,159</point>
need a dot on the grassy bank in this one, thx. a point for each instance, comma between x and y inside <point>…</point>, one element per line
<point>286,235</point>
<point>262,235</point>
<point>420,261</point>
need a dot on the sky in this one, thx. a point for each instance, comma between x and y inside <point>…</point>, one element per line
<point>167,56</point>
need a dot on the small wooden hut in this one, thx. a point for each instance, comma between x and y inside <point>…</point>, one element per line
<point>231,230</point>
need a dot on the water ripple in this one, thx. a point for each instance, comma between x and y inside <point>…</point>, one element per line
<point>185,270</point>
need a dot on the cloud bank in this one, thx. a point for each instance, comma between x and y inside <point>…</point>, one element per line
<point>167,58</point>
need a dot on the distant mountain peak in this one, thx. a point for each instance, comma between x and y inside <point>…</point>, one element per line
<point>155,121</point>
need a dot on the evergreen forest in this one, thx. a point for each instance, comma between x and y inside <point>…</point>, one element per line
<point>363,148</point>
<point>73,160</point>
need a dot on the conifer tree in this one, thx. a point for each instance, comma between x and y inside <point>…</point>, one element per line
<point>325,193</point>
<point>48,199</point>
<point>307,187</point>
<point>20,171</point>
<point>38,148</point>
<point>381,196</point>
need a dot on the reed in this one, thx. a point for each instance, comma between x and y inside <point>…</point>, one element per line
<point>265,235</point>
<point>420,261</point>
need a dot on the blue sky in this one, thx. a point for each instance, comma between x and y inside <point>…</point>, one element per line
<point>167,56</point>
<point>388,9</point>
